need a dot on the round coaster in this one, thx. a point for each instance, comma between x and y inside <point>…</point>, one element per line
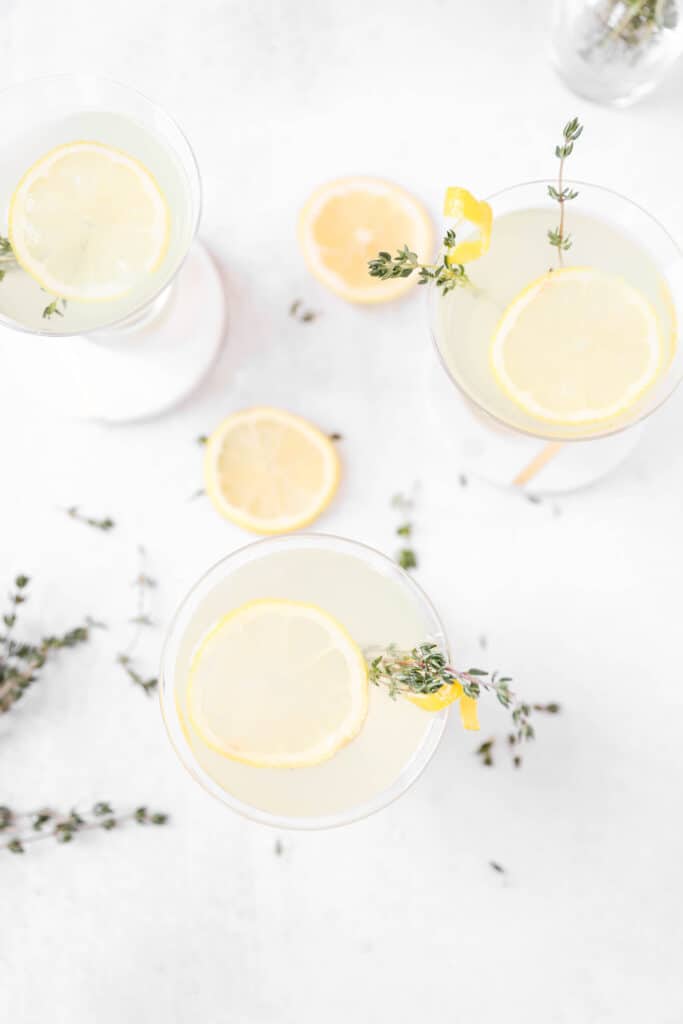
<point>133,374</point>
<point>479,446</point>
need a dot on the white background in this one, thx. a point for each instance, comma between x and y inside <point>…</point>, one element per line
<point>401,915</point>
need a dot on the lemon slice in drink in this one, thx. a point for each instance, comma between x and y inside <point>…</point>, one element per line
<point>88,221</point>
<point>278,684</point>
<point>270,471</point>
<point>347,222</point>
<point>577,346</point>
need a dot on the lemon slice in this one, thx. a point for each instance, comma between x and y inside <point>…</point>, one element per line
<point>270,471</point>
<point>278,684</point>
<point>347,222</point>
<point>578,345</point>
<point>462,206</point>
<point>88,221</point>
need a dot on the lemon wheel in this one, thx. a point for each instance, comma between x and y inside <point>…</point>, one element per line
<point>577,346</point>
<point>270,471</point>
<point>278,684</point>
<point>88,221</point>
<point>345,223</point>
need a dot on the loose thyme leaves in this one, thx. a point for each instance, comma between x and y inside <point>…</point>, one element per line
<point>141,619</point>
<point>105,524</point>
<point>562,194</point>
<point>405,556</point>
<point>304,316</point>
<point>446,276</point>
<point>20,830</point>
<point>21,663</point>
<point>424,670</point>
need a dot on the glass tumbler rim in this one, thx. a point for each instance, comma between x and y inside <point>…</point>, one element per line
<point>189,165</point>
<point>433,295</point>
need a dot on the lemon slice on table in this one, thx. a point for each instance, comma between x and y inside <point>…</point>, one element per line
<point>278,684</point>
<point>87,221</point>
<point>345,223</point>
<point>270,471</point>
<point>578,345</point>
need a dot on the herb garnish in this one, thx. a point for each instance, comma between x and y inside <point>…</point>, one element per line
<point>49,824</point>
<point>104,524</point>
<point>641,20</point>
<point>143,584</point>
<point>55,308</point>
<point>424,670</point>
<point>6,256</point>
<point>562,194</point>
<point>304,316</point>
<point>8,261</point>
<point>444,274</point>
<point>21,662</point>
<point>405,556</point>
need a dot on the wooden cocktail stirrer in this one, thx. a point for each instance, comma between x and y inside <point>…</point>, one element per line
<point>547,452</point>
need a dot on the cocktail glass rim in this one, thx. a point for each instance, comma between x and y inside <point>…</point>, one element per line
<point>183,615</point>
<point>433,296</point>
<point>195,185</point>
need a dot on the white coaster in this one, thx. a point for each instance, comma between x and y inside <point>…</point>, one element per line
<point>480,447</point>
<point>131,376</point>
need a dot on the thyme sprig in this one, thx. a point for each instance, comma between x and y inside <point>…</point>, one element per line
<point>640,20</point>
<point>425,670</point>
<point>105,523</point>
<point>55,308</point>
<point>406,556</point>
<point>304,316</point>
<point>6,256</point>
<point>141,619</point>
<point>19,830</point>
<point>446,276</point>
<point>21,662</point>
<point>9,261</point>
<point>562,194</point>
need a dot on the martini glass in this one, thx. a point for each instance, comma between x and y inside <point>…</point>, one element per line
<point>496,438</point>
<point>137,354</point>
<point>378,604</point>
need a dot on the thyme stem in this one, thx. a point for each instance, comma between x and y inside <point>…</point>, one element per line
<point>424,670</point>
<point>557,236</point>
<point>446,276</point>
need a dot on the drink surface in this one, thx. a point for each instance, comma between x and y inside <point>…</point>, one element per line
<point>22,299</point>
<point>466,321</point>
<point>375,609</point>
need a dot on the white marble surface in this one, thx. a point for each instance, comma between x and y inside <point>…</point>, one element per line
<point>399,916</point>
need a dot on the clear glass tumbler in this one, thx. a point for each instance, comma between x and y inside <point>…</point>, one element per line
<point>615,51</point>
<point>137,355</point>
<point>497,439</point>
<point>377,603</point>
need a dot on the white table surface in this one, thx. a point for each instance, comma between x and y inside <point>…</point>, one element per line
<point>401,915</point>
